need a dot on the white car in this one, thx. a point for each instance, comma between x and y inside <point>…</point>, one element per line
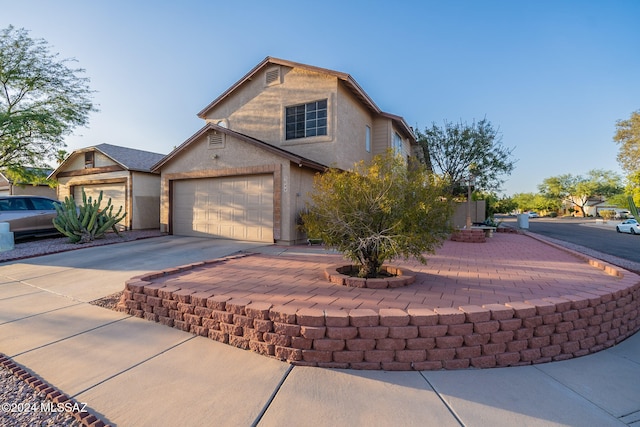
<point>533,215</point>
<point>628,226</point>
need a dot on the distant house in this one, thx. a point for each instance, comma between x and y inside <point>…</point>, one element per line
<point>122,174</point>
<point>9,186</point>
<point>246,173</point>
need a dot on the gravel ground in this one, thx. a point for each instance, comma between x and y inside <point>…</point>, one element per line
<point>15,392</point>
<point>37,247</point>
<point>20,404</point>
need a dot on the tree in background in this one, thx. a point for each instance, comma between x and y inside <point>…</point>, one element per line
<point>42,99</point>
<point>458,149</point>
<point>29,176</point>
<point>535,202</point>
<point>379,211</point>
<point>628,137</point>
<point>495,204</point>
<point>577,190</point>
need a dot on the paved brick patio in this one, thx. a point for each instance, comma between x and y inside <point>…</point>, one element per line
<point>506,268</point>
<point>511,301</point>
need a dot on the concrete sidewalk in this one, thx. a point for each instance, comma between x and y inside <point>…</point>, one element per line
<point>136,373</point>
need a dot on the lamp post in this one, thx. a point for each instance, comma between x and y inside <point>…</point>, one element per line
<point>470,182</point>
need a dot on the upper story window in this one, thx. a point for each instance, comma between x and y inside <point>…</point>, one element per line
<point>396,143</point>
<point>306,120</point>
<point>367,139</point>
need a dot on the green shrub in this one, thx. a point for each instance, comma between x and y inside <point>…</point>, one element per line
<point>379,211</point>
<point>607,214</point>
<point>85,223</point>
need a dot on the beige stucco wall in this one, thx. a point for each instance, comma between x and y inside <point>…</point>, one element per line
<point>31,190</point>
<point>237,157</point>
<point>76,161</point>
<point>381,135</point>
<point>145,200</point>
<point>302,179</point>
<point>7,189</point>
<point>258,110</point>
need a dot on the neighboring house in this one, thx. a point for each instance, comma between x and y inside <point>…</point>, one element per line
<point>246,174</point>
<point>122,174</point>
<point>8,187</point>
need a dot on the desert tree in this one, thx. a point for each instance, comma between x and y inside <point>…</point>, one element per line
<point>42,99</point>
<point>456,150</point>
<point>577,189</point>
<point>378,211</point>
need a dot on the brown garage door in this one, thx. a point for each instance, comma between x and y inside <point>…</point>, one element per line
<point>114,191</point>
<point>238,208</point>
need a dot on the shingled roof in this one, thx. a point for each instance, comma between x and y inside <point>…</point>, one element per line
<point>130,158</point>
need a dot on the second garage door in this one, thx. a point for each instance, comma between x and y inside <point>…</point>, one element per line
<point>238,208</point>
<point>114,191</point>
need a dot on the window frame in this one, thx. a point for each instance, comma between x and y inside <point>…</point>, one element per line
<point>299,117</point>
<point>397,144</point>
<point>367,138</point>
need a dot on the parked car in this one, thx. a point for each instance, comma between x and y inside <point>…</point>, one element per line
<point>628,226</point>
<point>28,215</point>
<point>622,214</point>
<point>533,215</point>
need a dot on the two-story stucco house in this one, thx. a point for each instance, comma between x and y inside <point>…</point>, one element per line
<point>246,174</point>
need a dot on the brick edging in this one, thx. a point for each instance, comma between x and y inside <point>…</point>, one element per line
<point>493,335</point>
<point>87,418</point>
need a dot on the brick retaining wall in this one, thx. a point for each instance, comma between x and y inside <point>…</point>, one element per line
<point>494,335</point>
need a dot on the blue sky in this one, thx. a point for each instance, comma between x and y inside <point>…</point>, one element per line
<point>553,76</point>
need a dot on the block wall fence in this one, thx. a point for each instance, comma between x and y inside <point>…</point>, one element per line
<point>494,335</point>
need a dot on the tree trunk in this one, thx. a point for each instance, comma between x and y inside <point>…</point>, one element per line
<point>369,269</point>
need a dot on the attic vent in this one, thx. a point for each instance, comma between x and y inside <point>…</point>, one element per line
<point>273,76</point>
<point>216,139</point>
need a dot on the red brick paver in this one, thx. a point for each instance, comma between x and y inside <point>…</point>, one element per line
<point>510,301</point>
<point>507,268</point>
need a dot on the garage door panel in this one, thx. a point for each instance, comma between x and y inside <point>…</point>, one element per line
<point>228,207</point>
<point>116,192</point>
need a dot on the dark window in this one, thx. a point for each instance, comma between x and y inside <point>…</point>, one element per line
<point>88,159</point>
<point>306,120</point>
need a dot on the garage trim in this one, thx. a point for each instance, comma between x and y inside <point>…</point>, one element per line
<point>275,169</point>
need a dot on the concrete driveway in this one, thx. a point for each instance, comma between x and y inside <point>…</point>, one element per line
<point>91,273</point>
<point>132,372</point>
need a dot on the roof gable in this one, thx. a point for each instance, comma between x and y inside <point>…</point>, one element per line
<point>345,78</point>
<point>301,161</point>
<point>128,158</point>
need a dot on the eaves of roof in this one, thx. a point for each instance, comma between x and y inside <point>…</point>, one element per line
<point>404,127</point>
<point>344,77</point>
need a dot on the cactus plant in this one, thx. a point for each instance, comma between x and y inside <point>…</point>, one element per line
<point>633,209</point>
<point>88,221</point>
